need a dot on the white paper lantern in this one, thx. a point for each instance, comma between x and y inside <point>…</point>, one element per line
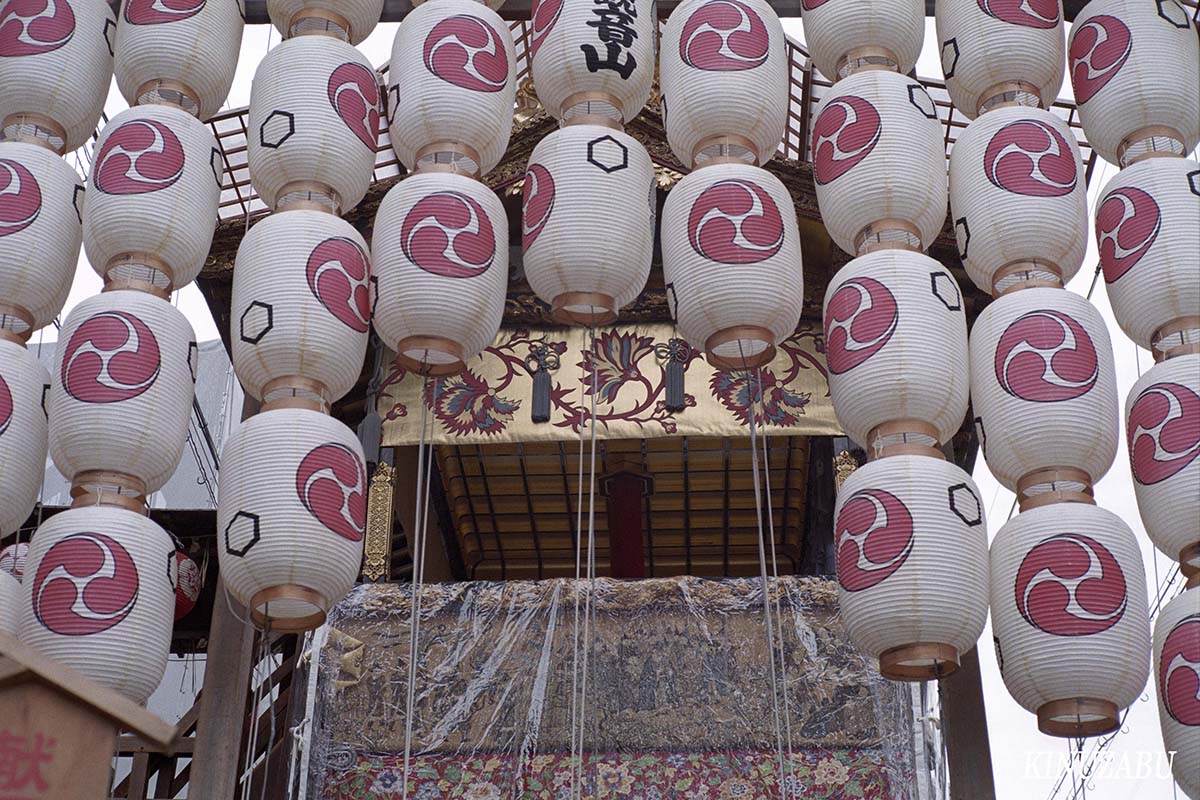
<point>153,195</point>
<point>12,559</point>
<point>1177,677</point>
<point>122,386</point>
<point>724,76</point>
<point>291,515</point>
<point>41,199</point>
<point>441,269</point>
<point>896,345</point>
<point>912,562</point>
<point>351,20</point>
<point>1135,67</point>
<point>301,303</point>
<point>588,222</point>
<point>23,382</point>
<point>864,32</point>
<point>1146,224</point>
<point>10,604</point>
<point>1018,198</point>
<point>314,119</point>
<point>593,57</point>
<point>1068,600</point>
<point>184,53</point>
<point>1043,385</point>
<point>731,260</point>
<point>1162,422</point>
<point>453,80</point>
<point>56,59</point>
<point>98,597</point>
<point>879,160</point>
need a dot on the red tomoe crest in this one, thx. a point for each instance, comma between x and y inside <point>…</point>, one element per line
<point>354,94</point>
<point>1099,48</point>
<point>1163,431</point>
<point>338,276</point>
<point>449,234</point>
<point>844,134</point>
<point>1179,671</point>
<point>861,318</point>
<point>542,17</point>
<point>537,203</point>
<point>1031,158</point>
<point>724,36</point>
<point>1127,224</point>
<point>874,538</point>
<point>1045,356</point>
<point>155,12</point>
<point>86,583</point>
<point>20,197</point>
<point>112,356</point>
<point>1070,585</point>
<point>735,221</point>
<point>140,156</point>
<point>6,405</point>
<point>1028,13</point>
<point>331,482</point>
<point>467,52</point>
<point>31,27</point>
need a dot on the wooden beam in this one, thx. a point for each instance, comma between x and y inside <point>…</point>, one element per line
<point>964,724</point>
<point>437,559</point>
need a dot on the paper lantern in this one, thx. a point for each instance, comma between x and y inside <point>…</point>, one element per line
<point>12,559</point>
<point>41,198</point>
<point>301,309</point>
<point>1068,600</point>
<point>1162,422</point>
<point>879,161</point>
<point>98,597</point>
<point>441,270</point>
<point>186,578</point>
<point>453,81</point>
<point>23,382</point>
<point>724,75</point>
<point>1177,678</point>
<point>56,59</point>
<point>10,604</point>
<point>1132,98</point>
<point>912,564</point>
<point>1018,198</point>
<point>153,195</point>
<point>349,20</point>
<point>1043,389</point>
<point>588,222</point>
<point>593,57</point>
<point>845,35</point>
<point>995,51</point>
<point>121,392</point>
<point>731,260</point>
<point>896,347</point>
<point>291,516</point>
<point>314,124</point>
<point>1146,223</point>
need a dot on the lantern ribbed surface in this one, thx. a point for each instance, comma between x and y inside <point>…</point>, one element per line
<point>12,559</point>
<point>154,190</point>
<point>1068,601</point>
<point>314,118</point>
<point>192,47</point>
<point>452,81</point>
<point>1123,81</point>
<point>1018,194</point>
<point>23,381</point>
<point>361,15</point>
<point>10,604</point>
<point>301,302</point>
<point>1043,385</point>
<point>56,61</point>
<point>912,555</point>
<point>596,47</point>
<point>878,155</point>
<point>1177,680</point>
<point>583,227</point>
<point>731,257</point>
<point>896,344</point>
<point>41,199</point>
<point>122,386</point>
<point>291,513</point>
<point>1146,224</point>
<point>97,597</point>
<point>724,70</point>
<point>835,28</point>
<point>440,260</point>
<point>986,44</point>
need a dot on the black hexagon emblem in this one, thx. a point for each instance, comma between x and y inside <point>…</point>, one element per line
<point>965,504</point>
<point>276,129</point>
<point>391,104</point>
<point>962,234</point>
<point>1194,181</point>
<point>110,33</point>
<point>608,154</point>
<point>945,288</point>
<point>257,320</point>
<point>949,57</point>
<point>241,533</point>
<point>982,434</point>
<point>374,283</point>
<point>999,653</point>
<point>921,100</point>
<point>77,201</point>
<point>215,160</point>
<point>193,359</point>
<point>1173,13</point>
<point>45,397</point>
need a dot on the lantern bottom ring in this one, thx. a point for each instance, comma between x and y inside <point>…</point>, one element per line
<point>434,356</point>
<point>296,608</point>
<point>142,272</point>
<point>447,156</point>
<point>919,661</point>
<point>726,148</point>
<point>868,57</point>
<point>584,308</point>
<point>38,129</point>
<point>903,437</point>
<point>592,108</point>
<point>166,92</point>
<point>1189,561</point>
<point>296,391</point>
<point>109,488</point>
<point>319,21</point>
<point>16,323</point>
<point>1078,716</point>
<point>1049,485</point>
<point>308,196</point>
<point>888,234</point>
<point>1152,141</point>
<point>1008,93</point>
<point>1026,274</point>
<point>740,347</point>
<point>1177,337</point>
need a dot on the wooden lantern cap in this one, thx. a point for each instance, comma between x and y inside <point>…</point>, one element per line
<point>33,128</point>
<point>139,272</point>
<point>740,347</point>
<point>109,488</point>
<point>433,356</point>
<point>919,661</point>
<point>16,323</point>
<point>1049,485</point>
<point>1008,93</point>
<point>1152,141</point>
<point>168,92</point>
<point>887,234</point>
<point>866,58</point>
<point>293,594</point>
<point>589,309</point>
<point>591,108</point>
<point>1026,274</point>
<point>1078,716</point>
<point>296,391</point>
<point>904,437</point>
<point>1177,337</point>
<point>1189,563</point>
<point>726,148</point>
<point>319,22</point>
<point>310,196</point>
<point>448,156</point>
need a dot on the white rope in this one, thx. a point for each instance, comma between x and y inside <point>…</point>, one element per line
<point>589,608</point>
<point>578,563</point>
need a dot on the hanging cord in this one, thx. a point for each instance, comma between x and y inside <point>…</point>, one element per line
<point>578,565</point>
<point>589,608</point>
<point>270,694</point>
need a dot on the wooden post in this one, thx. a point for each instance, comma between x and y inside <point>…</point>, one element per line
<point>964,724</point>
